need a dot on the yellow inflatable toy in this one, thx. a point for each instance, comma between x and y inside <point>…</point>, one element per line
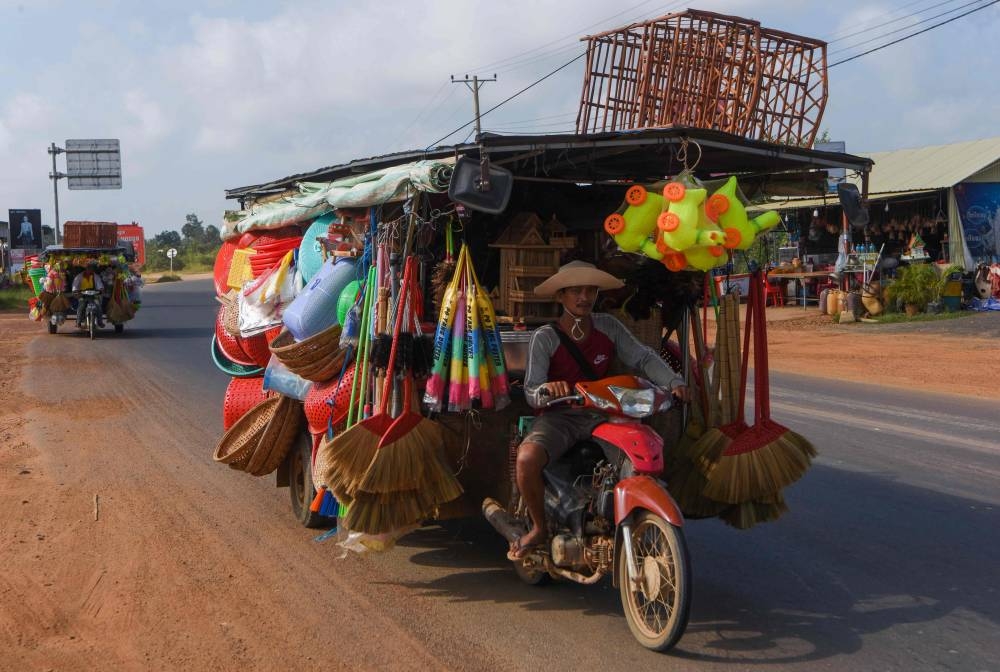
<point>680,222</point>
<point>725,208</point>
<point>633,226</point>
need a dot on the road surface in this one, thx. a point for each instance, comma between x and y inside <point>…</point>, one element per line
<point>888,559</point>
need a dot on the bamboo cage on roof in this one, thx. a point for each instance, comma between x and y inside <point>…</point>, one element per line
<point>705,70</point>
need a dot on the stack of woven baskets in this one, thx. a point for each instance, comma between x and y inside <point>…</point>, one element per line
<point>317,358</point>
<point>259,441</point>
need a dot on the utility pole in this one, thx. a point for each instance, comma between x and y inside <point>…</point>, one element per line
<point>54,176</point>
<point>484,161</point>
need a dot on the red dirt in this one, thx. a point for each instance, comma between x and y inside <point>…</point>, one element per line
<point>146,579</point>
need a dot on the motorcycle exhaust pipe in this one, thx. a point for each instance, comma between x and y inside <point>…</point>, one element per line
<point>509,527</point>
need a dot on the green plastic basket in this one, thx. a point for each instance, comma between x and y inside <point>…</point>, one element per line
<point>230,367</point>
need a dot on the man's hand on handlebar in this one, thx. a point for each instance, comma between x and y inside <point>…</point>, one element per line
<point>557,388</point>
<point>681,392</point>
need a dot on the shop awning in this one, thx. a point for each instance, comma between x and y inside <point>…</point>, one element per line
<point>641,155</point>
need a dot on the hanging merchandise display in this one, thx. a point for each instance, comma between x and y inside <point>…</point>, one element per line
<point>315,306</point>
<point>467,330</point>
<point>726,208</point>
<point>633,224</point>
<point>262,302</point>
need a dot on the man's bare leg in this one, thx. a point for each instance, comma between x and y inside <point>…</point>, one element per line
<point>531,459</point>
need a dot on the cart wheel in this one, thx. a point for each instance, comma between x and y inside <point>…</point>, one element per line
<point>300,484</point>
<point>53,327</point>
<point>658,600</point>
<point>119,328</point>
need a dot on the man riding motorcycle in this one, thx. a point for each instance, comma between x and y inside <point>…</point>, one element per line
<point>578,346</point>
<point>88,279</point>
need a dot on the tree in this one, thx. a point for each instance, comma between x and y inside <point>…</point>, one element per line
<point>167,239</point>
<point>212,236</point>
<point>193,229</point>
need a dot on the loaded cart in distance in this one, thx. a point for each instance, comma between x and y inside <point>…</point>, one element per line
<point>92,286</point>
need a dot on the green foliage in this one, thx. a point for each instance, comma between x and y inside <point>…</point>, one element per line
<point>15,297</point>
<point>167,277</point>
<point>916,284</point>
<point>196,245</point>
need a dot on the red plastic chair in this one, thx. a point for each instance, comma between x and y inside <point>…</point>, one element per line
<point>774,293</point>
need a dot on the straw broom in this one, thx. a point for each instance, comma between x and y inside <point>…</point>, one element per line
<point>350,453</point>
<point>764,459</point>
<point>407,456</point>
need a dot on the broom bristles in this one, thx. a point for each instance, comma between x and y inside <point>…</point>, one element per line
<point>374,513</point>
<point>349,455</point>
<point>685,483</point>
<point>752,469</point>
<point>746,515</point>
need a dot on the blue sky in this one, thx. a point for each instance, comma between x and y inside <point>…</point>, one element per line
<point>217,94</point>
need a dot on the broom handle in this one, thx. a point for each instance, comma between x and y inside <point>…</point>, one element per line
<point>763,391</point>
<point>751,306</point>
<point>390,368</point>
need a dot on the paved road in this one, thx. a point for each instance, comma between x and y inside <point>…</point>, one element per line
<point>888,560</point>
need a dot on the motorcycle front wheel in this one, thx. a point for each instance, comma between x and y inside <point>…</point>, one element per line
<point>91,326</point>
<point>658,601</point>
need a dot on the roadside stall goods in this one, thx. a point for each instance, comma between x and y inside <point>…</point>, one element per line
<point>387,317</point>
<point>53,274</point>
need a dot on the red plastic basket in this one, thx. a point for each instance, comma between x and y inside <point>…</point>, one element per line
<point>264,236</point>
<point>317,409</point>
<point>242,395</point>
<point>256,348</point>
<point>223,260</point>
<point>229,344</point>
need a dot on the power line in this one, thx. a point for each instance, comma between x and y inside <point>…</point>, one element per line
<point>844,34</point>
<point>919,32</point>
<point>904,28</point>
<point>507,100</point>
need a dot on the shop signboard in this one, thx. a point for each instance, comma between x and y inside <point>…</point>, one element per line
<point>25,229</point>
<point>979,211</point>
<point>16,260</point>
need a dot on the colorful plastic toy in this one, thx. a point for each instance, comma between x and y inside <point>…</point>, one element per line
<point>680,223</point>
<point>725,208</point>
<point>634,224</point>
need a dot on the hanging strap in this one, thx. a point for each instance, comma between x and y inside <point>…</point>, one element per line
<point>585,367</point>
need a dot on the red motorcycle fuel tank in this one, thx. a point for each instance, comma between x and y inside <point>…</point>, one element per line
<point>642,445</point>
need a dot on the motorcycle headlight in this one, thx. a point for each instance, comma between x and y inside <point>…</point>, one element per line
<point>634,403</point>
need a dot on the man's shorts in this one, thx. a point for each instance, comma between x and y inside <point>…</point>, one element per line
<point>559,430</point>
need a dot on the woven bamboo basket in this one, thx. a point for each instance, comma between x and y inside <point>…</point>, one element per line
<point>318,358</point>
<point>277,439</point>
<point>238,444</point>
<point>648,332</point>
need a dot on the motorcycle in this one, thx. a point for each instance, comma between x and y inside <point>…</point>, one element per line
<point>607,512</point>
<point>91,310</point>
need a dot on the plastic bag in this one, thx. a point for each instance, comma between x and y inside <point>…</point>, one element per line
<point>262,301</point>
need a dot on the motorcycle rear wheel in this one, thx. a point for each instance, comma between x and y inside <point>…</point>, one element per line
<point>658,604</point>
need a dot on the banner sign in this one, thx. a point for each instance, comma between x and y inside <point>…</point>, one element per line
<point>25,229</point>
<point>979,211</point>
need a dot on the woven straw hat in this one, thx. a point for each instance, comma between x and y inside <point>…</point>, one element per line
<point>578,274</point>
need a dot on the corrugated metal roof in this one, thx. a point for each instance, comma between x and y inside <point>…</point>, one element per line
<point>831,200</point>
<point>934,167</point>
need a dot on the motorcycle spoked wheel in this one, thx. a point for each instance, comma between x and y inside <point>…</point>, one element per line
<point>91,326</point>
<point>657,605</point>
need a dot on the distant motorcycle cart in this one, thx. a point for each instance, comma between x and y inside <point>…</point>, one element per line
<point>63,292</point>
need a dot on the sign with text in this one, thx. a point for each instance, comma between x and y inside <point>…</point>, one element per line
<point>93,164</point>
<point>979,211</point>
<point>25,229</point>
